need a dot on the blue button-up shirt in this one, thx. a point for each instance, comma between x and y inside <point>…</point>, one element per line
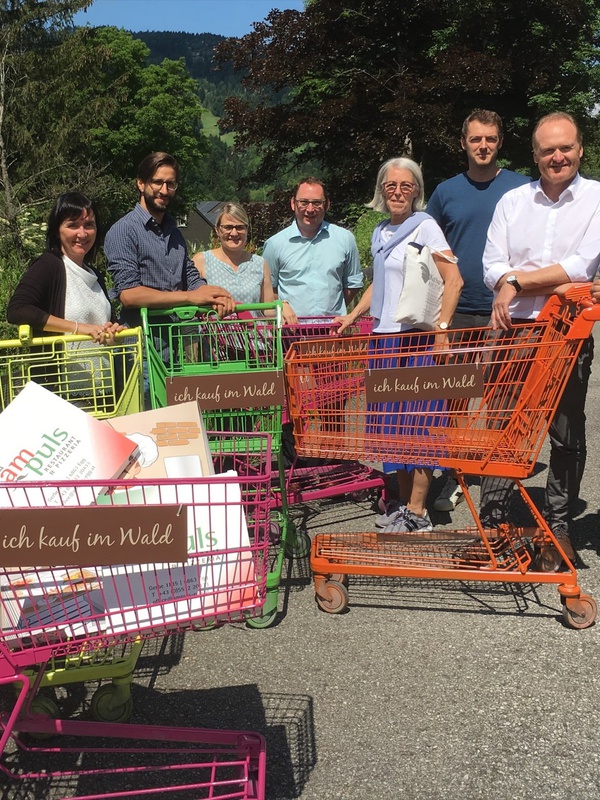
<point>312,274</point>
<point>141,252</point>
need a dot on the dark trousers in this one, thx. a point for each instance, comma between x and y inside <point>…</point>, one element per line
<point>567,456</point>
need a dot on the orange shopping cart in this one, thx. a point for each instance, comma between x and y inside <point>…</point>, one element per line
<point>480,404</point>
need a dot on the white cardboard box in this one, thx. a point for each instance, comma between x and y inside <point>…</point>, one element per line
<point>218,576</point>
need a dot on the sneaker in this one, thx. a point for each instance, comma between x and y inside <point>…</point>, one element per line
<point>391,512</point>
<point>408,522</point>
<point>450,496</point>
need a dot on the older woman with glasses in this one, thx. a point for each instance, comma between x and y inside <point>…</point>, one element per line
<point>245,275</point>
<point>399,191</point>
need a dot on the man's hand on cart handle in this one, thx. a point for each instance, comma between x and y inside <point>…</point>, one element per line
<point>595,290</point>
<point>288,314</point>
<point>215,296</point>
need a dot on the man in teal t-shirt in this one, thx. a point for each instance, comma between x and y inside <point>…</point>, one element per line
<point>315,265</point>
<point>463,207</point>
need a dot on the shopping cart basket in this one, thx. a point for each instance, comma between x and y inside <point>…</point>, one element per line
<point>105,381</point>
<point>480,405</point>
<point>322,480</point>
<point>233,368</point>
<point>188,343</point>
<point>53,612</point>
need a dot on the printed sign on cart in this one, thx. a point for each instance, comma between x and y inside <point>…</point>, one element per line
<point>423,383</point>
<point>86,536</point>
<point>215,392</point>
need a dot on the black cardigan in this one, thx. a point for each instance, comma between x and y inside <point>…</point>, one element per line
<point>41,292</point>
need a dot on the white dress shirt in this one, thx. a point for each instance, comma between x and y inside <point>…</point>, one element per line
<point>529,231</point>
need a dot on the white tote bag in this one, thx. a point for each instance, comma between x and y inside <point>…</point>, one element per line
<point>420,301</point>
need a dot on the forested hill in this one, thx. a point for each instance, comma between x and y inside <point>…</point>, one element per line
<point>197,49</point>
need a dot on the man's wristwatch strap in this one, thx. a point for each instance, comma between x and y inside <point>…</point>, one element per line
<point>512,280</point>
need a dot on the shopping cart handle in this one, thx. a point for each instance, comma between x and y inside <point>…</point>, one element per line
<point>591,313</point>
<point>580,293</point>
<point>577,292</point>
<point>25,334</point>
<point>185,313</point>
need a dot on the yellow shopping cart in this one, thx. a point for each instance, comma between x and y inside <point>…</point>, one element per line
<point>104,380</point>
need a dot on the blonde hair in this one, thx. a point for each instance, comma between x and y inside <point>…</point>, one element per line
<point>378,202</point>
<point>233,210</point>
<point>556,116</point>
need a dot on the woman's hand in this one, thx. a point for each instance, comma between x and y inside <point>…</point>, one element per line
<point>339,324</point>
<point>102,334</point>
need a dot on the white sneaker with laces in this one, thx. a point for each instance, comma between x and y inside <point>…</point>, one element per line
<point>450,496</point>
<point>408,522</point>
<point>391,512</point>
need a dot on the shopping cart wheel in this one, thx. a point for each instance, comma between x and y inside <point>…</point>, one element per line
<point>105,709</point>
<point>579,612</point>
<point>360,496</point>
<point>45,706</point>
<point>339,577</point>
<point>264,621</point>
<point>274,531</point>
<point>332,597</point>
<point>299,546</point>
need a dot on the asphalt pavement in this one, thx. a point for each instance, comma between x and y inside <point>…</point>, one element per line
<point>421,690</point>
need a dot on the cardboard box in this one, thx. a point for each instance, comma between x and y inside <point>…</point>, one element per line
<point>218,576</point>
<point>51,604</point>
<point>172,442</point>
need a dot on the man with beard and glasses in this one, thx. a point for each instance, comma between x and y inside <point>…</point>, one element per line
<point>147,254</point>
<point>149,262</point>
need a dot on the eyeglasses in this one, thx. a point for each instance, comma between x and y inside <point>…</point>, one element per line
<point>230,228</point>
<point>316,204</point>
<point>392,186</point>
<point>156,183</point>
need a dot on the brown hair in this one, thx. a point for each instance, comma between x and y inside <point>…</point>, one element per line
<point>486,118</point>
<point>313,181</point>
<point>154,161</point>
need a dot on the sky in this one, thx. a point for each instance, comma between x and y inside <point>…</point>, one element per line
<point>224,17</point>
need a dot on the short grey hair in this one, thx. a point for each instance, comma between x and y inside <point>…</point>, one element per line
<point>378,202</point>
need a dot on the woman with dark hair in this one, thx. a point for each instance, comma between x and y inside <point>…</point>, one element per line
<point>59,292</point>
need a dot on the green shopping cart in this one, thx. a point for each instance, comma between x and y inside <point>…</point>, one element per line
<point>233,368</point>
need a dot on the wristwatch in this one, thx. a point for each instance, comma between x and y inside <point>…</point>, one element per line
<point>443,326</point>
<point>512,280</point>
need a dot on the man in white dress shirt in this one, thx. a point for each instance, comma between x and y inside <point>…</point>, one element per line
<point>543,235</point>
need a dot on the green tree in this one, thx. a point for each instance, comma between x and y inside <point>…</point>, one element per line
<point>25,26</point>
<point>82,109</point>
<point>359,82</point>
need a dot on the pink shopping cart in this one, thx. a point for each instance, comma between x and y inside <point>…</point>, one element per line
<point>187,552</point>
